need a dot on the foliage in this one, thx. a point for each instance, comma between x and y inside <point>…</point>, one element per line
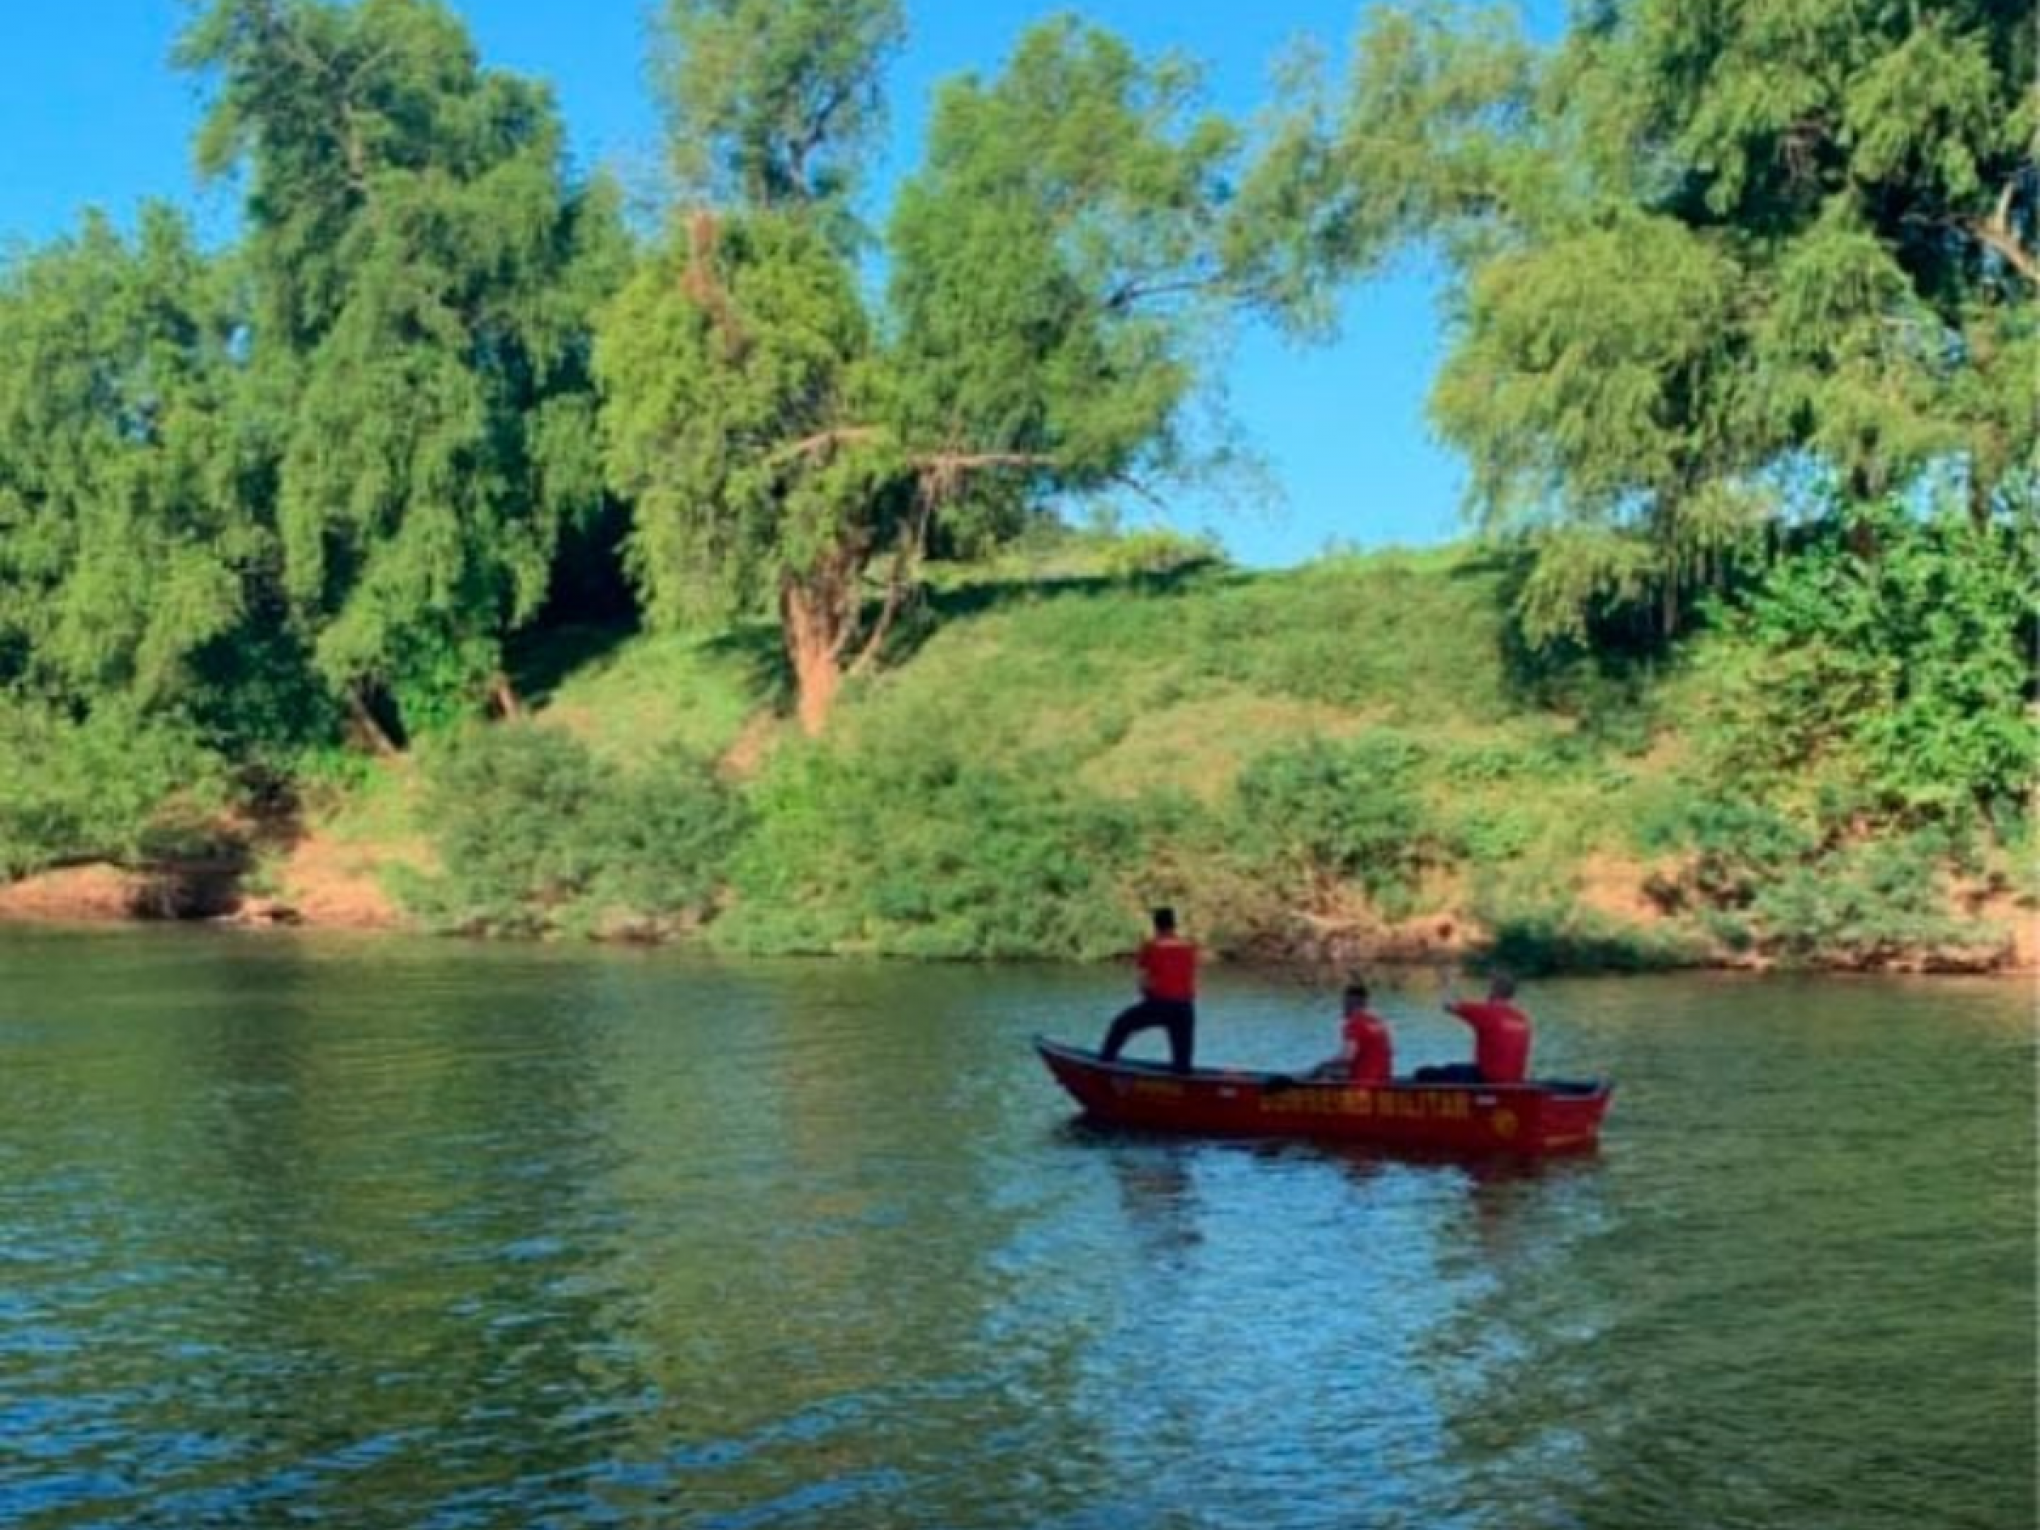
<point>536,835</point>
<point>1871,904</point>
<point>910,849</point>
<point>1059,265</point>
<point>126,542</point>
<point>1757,880</point>
<point>1348,810</point>
<point>727,367</point>
<point>420,275</point>
<point>113,785</point>
<point>1903,681</point>
<point>1705,259</point>
<point>771,102</point>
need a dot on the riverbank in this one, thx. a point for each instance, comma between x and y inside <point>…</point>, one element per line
<point>1348,763</point>
<point>323,885</point>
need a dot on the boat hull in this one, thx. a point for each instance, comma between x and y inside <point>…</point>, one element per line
<point>1541,1116</point>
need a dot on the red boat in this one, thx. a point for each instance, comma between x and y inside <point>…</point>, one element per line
<point>1541,1116</point>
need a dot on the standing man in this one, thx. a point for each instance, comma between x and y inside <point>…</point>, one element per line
<point>1168,994</point>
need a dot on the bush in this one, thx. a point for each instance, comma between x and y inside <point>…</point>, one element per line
<point>112,785</point>
<point>1763,881</point>
<point>1871,904</point>
<point>1903,675</point>
<point>906,850</point>
<point>1348,811</point>
<point>1156,552</point>
<point>535,835</point>
<point>1493,834</point>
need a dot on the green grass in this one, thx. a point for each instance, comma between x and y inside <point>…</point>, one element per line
<point>1054,745</point>
<point>658,690</point>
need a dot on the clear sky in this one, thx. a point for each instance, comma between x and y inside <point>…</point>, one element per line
<point>93,115</point>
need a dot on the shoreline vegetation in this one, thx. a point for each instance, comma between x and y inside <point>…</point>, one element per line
<point>1328,766</point>
<point>466,544</point>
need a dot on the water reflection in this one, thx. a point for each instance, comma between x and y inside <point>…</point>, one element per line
<point>1158,1195</point>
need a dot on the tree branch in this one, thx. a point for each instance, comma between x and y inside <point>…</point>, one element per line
<point>824,441</point>
<point>1995,233</point>
<point>1133,290</point>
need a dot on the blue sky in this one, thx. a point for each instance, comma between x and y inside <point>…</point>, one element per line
<point>94,116</point>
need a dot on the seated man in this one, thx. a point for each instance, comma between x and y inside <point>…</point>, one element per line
<point>1365,1052</point>
<point>1501,1039</point>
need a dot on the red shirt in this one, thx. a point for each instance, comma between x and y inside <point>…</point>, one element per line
<point>1369,1052</point>
<point>1501,1039</point>
<point>1168,968</point>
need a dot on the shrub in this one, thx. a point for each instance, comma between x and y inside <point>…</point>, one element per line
<point>535,835</point>
<point>1343,810</point>
<point>1487,835</point>
<point>1761,880</point>
<point>1158,551</point>
<point>113,785</point>
<point>905,849</point>
<point>1905,673</point>
<point>1871,904</point>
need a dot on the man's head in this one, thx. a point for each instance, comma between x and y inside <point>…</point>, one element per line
<point>1356,995</point>
<point>1501,986</point>
<point>1165,921</point>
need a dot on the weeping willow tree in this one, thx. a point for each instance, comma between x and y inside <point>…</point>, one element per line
<point>421,275</point>
<point>1709,265</point>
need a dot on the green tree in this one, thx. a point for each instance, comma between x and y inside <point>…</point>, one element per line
<point>1063,265</point>
<point>421,275</point>
<point>737,373</point>
<point>1058,269</point>
<point>1708,264</point>
<point>1899,687</point>
<point>774,104</point>
<point>129,555</point>
<point>737,365</point>
<point>126,538</point>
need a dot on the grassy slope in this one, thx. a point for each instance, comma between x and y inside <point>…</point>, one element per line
<point>1132,690</point>
<point>1127,686</point>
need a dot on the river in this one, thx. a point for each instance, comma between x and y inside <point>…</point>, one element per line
<point>310,1230</point>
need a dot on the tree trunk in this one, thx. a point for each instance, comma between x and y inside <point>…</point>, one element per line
<point>367,728</point>
<point>503,699</point>
<point>816,627</point>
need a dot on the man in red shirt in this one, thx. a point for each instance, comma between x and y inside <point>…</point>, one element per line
<point>1366,1055</point>
<point>1168,994</point>
<point>1501,1036</point>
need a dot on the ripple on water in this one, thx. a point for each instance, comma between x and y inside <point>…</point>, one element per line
<point>455,1236</point>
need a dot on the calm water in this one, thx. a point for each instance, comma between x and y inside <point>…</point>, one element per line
<point>331,1233</point>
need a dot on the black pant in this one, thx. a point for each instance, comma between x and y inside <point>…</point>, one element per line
<point>1176,1016</point>
<point>1450,1073</point>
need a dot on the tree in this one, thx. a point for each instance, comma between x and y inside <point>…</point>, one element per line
<point>772,104</point>
<point>127,539</point>
<point>1709,263</point>
<point>735,371</point>
<point>1057,270</point>
<point>421,276</point>
<point>1063,266</point>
